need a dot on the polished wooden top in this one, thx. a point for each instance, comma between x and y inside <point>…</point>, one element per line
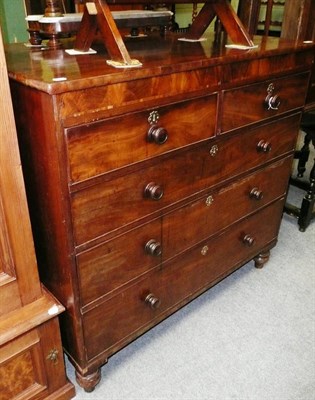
<point>55,71</point>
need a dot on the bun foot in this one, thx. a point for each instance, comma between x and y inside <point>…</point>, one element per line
<point>88,382</point>
<point>261,259</point>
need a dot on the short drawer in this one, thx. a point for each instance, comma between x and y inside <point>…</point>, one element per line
<point>118,261</point>
<point>107,206</point>
<point>103,146</point>
<point>130,313</point>
<point>198,220</point>
<point>253,103</point>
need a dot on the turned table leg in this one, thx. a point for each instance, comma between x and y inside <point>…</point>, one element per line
<point>261,259</point>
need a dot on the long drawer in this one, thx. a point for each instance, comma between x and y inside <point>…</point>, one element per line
<point>103,146</point>
<point>118,261</point>
<point>107,206</point>
<point>128,314</point>
<point>253,103</point>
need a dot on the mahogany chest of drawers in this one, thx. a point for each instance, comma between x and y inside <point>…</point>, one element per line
<point>147,186</point>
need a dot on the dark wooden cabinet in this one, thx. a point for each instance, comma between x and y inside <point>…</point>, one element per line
<point>31,355</point>
<point>149,185</point>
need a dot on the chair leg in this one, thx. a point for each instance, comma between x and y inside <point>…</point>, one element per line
<point>306,212</point>
<point>303,155</point>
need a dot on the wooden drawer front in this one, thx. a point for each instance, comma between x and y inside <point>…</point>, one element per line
<point>102,208</point>
<point>198,220</point>
<point>246,105</point>
<point>125,316</point>
<point>104,146</point>
<point>86,105</point>
<point>118,202</point>
<point>116,262</point>
<point>251,148</point>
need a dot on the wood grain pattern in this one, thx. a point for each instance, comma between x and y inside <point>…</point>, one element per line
<point>101,208</point>
<point>88,166</point>
<point>26,308</point>
<point>92,149</point>
<point>298,20</point>
<point>212,213</point>
<point>108,325</point>
<point>13,206</point>
<point>250,105</point>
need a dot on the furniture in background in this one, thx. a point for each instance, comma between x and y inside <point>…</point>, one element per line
<point>31,356</point>
<point>305,213</point>
<point>248,11</point>
<point>149,185</point>
<point>38,6</point>
<point>270,17</point>
<point>263,17</point>
<point>298,20</point>
<point>299,24</point>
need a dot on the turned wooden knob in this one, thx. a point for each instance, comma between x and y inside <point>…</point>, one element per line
<point>263,146</point>
<point>248,240</point>
<point>153,248</point>
<point>256,194</point>
<point>157,134</point>
<point>153,191</point>
<point>152,301</point>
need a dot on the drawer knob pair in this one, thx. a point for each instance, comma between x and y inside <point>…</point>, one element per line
<point>152,301</point>
<point>157,134</point>
<point>256,194</point>
<point>263,146</point>
<point>153,191</point>
<point>153,248</point>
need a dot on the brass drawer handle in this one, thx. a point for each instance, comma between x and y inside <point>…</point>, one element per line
<point>157,134</point>
<point>209,201</point>
<point>214,150</point>
<point>53,356</point>
<point>248,240</point>
<point>152,301</point>
<point>263,147</point>
<point>256,194</point>
<point>153,248</point>
<point>204,250</point>
<point>153,191</point>
<point>272,101</point>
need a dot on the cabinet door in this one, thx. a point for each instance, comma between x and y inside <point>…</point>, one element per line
<point>9,293</point>
<point>32,365</point>
<point>21,367</point>
<point>17,255</point>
